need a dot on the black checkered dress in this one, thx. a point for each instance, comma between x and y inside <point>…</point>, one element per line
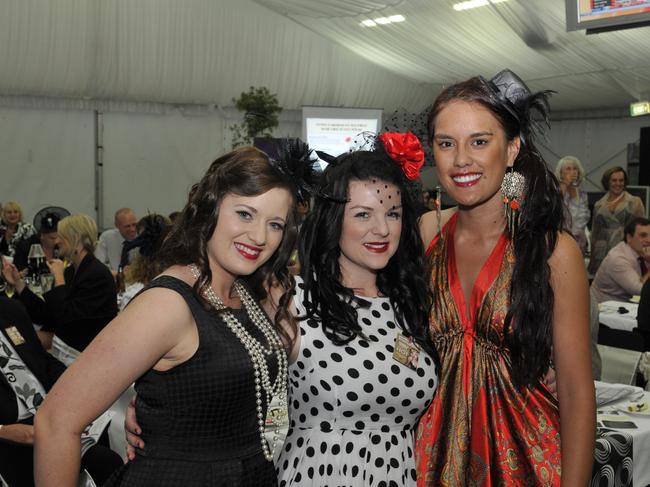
<point>199,421</point>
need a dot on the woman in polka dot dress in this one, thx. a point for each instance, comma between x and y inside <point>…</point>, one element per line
<point>362,370</point>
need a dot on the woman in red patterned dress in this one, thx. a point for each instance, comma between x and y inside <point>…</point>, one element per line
<point>510,295</point>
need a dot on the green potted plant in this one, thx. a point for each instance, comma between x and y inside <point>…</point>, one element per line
<point>261,110</point>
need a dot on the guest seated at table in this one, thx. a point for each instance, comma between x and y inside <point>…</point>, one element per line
<point>152,230</point>
<point>643,315</point>
<point>47,237</point>
<point>625,268</point>
<point>83,299</point>
<point>13,229</point>
<point>109,248</point>
<point>27,372</point>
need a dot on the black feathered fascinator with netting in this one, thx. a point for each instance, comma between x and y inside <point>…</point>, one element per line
<point>152,230</point>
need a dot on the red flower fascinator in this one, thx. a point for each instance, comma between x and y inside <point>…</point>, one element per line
<point>405,149</point>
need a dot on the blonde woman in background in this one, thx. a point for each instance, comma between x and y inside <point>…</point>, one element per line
<point>570,173</point>
<point>12,228</point>
<point>83,299</point>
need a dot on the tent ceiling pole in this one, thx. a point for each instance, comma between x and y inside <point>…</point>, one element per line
<point>99,168</point>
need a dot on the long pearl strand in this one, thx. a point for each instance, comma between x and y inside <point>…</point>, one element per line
<point>258,354</point>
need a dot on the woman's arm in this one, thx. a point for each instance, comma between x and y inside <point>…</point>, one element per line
<point>637,208</point>
<point>155,330</point>
<point>572,357</point>
<point>23,434</point>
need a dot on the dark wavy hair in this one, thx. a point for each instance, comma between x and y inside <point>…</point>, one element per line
<point>152,230</point>
<point>403,280</point>
<point>530,315</point>
<point>245,172</point>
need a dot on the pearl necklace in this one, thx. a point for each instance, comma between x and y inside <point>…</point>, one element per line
<point>258,354</point>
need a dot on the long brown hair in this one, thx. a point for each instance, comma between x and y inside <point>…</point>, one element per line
<point>246,172</point>
<point>152,230</point>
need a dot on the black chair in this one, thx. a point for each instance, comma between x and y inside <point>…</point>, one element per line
<point>630,340</point>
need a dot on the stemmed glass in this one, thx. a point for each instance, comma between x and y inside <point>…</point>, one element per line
<point>36,263</point>
<point>5,287</point>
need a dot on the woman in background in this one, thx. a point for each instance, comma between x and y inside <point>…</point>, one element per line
<point>611,213</point>
<point>13,229</point>
<point>46,236</point>
<point>83,297</point>
<point>510,295</point>
<point>152,230</point>
<point>570,173</point>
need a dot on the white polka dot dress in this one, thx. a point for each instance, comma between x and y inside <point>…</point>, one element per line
<point>353,409</point>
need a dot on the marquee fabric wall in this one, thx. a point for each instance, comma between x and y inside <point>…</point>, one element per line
<point>152,154</point>
<point>149,160</point>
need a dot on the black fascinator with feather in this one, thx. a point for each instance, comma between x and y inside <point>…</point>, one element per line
<point>530,109</point>
<point>152,230</point>
<point>298,164</point>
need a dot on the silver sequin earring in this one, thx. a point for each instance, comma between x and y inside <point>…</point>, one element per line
<point>512,188</point>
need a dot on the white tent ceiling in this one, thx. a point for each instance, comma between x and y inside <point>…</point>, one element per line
<point>310,52</point>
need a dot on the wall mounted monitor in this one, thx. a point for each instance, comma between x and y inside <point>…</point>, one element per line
<point>606,15</point>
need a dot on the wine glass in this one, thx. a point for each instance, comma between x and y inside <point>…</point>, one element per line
<point>4,285</point>
<point>36,261</point>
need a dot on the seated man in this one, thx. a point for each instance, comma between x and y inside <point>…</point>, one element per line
<point>109,247</point>
<point>626,267</point>
<point>27,372</point>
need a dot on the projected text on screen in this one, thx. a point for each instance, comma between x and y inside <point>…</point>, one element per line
<point>336,135</point>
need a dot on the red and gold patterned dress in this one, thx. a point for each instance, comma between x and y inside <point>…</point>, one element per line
<point>481,430</point>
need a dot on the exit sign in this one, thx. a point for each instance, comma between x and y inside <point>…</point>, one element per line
<point>640,108</point>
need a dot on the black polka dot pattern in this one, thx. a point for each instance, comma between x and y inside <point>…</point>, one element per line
<point>353,408</point>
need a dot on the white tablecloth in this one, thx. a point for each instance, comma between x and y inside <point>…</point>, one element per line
<point>640,439</point>
<point>609,315</point>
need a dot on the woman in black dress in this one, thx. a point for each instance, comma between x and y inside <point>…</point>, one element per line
<point>205,356</point>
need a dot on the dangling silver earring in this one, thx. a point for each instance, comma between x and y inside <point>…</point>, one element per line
<point>512,188</point>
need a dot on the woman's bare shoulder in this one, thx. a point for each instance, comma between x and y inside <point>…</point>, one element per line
<point>566,255</point>
<point>429,224</point>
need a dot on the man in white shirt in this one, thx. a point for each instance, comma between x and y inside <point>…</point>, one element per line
<point>627,266</point>
<point>109,247</point>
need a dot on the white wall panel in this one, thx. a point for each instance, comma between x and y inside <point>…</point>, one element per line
<point>151,161</point>
<point>47,158</point>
